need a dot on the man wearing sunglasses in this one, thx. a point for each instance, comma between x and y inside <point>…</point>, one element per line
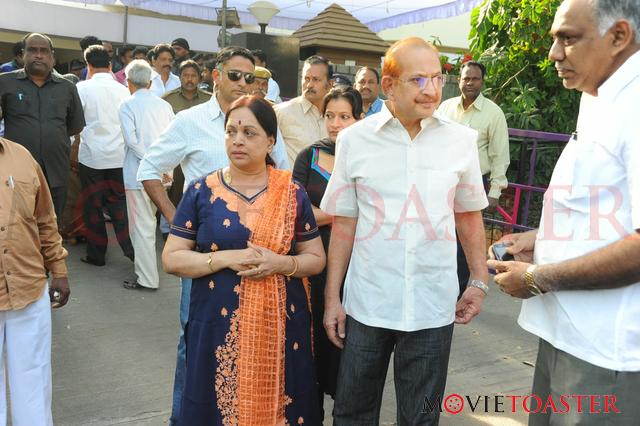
<point>403,182</point>
<point>195,140</point>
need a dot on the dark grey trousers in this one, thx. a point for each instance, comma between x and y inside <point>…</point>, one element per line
<point>559,373</point>
<point>103,189</point>
<point>420,361</point>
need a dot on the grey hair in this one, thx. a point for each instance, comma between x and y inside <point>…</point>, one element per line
<point>138,72</point>
<point>607,12</point>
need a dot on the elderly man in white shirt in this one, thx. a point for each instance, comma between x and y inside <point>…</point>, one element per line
<point>195,140</point>
<point>101,156</point>
<point>583,288</point>
<point>143,117</point>
<point>403,182</point>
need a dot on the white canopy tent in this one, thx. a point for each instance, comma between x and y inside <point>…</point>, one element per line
<point>378,15</point>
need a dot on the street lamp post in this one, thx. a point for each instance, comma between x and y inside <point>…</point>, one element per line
<point>263,11</point>
<point>224,23</point>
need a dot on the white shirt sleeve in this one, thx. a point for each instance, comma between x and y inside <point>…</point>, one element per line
<point>631,159</point>
<point>273,91</point>
<point>340,197</point>
<point>470,195</point>
<point>279,153</point>
<point>164,154</point>
<point>128,125</point>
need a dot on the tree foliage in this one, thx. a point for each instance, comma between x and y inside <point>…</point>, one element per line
<point>511,37</point>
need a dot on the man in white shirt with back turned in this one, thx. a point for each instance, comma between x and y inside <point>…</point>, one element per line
<point>580,271</point>
<point>101,156</point>
<point>143,118</point>
<point>403,182</point>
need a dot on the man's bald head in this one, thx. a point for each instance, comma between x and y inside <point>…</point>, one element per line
<point>38,55</point>
<point>32,36</point>
<point>412,79</point>
<point>393,62</point>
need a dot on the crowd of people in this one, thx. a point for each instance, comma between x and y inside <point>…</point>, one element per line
<point>316,237</point>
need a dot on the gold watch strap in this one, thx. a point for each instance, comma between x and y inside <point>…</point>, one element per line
<point>530,281</point>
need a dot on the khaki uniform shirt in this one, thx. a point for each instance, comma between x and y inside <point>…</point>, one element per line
<point>301,124</point>
<point>179,101</point>
<point>29,240</point>
<point>488,119</point>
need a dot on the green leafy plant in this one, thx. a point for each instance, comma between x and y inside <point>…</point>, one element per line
<point>511,37</point>
<point>449,66</point>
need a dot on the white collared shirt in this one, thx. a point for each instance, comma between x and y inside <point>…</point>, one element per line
<point>594,200</point>
<point>143,117</point>
<point>159,87</point>
<point>101,141</point>
<point>195,140</point>
<point>402,273</point>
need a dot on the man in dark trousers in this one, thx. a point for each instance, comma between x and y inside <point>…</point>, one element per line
<point>101,156</point>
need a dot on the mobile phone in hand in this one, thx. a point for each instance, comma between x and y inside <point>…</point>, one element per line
<point>500,252</point>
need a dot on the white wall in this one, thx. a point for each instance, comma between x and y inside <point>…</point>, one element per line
<point>453,32</point>
<point>78,21</point>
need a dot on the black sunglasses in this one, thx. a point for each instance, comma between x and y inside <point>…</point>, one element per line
<point>235,75</point>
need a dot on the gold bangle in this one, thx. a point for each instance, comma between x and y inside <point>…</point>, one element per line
<point>295,267</point>
<point>210,261</point>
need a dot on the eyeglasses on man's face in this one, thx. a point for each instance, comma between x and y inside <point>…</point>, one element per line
<point>421,82</point>
<point>235,75</point>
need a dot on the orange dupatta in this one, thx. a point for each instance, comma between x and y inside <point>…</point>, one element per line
<point>261,320</point>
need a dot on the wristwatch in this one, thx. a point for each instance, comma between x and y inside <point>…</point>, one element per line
<point>530,282</point>
<point>479,284</point>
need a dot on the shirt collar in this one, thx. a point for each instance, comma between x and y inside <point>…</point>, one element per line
<point>142,92</point>
<point>620,78</point>
<point>385,116</point>
<point>102,76</point>
<point>155,74</point>
<point>197,95</point>
<point>214,108</point>
<point>477,104</point>
<point>306,105</point>
<point>21,74</point>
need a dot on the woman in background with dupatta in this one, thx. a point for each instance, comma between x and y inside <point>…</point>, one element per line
<point>247,236</point>
<point>342,107</point>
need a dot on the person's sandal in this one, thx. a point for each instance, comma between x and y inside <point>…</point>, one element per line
<point>134,285</point>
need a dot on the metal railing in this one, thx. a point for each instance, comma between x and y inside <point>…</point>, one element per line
<point>518,218</point>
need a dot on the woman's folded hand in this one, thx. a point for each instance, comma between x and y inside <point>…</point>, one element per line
<point>263,263</point>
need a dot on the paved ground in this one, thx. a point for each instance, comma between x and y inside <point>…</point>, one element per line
<point>114,353</point>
